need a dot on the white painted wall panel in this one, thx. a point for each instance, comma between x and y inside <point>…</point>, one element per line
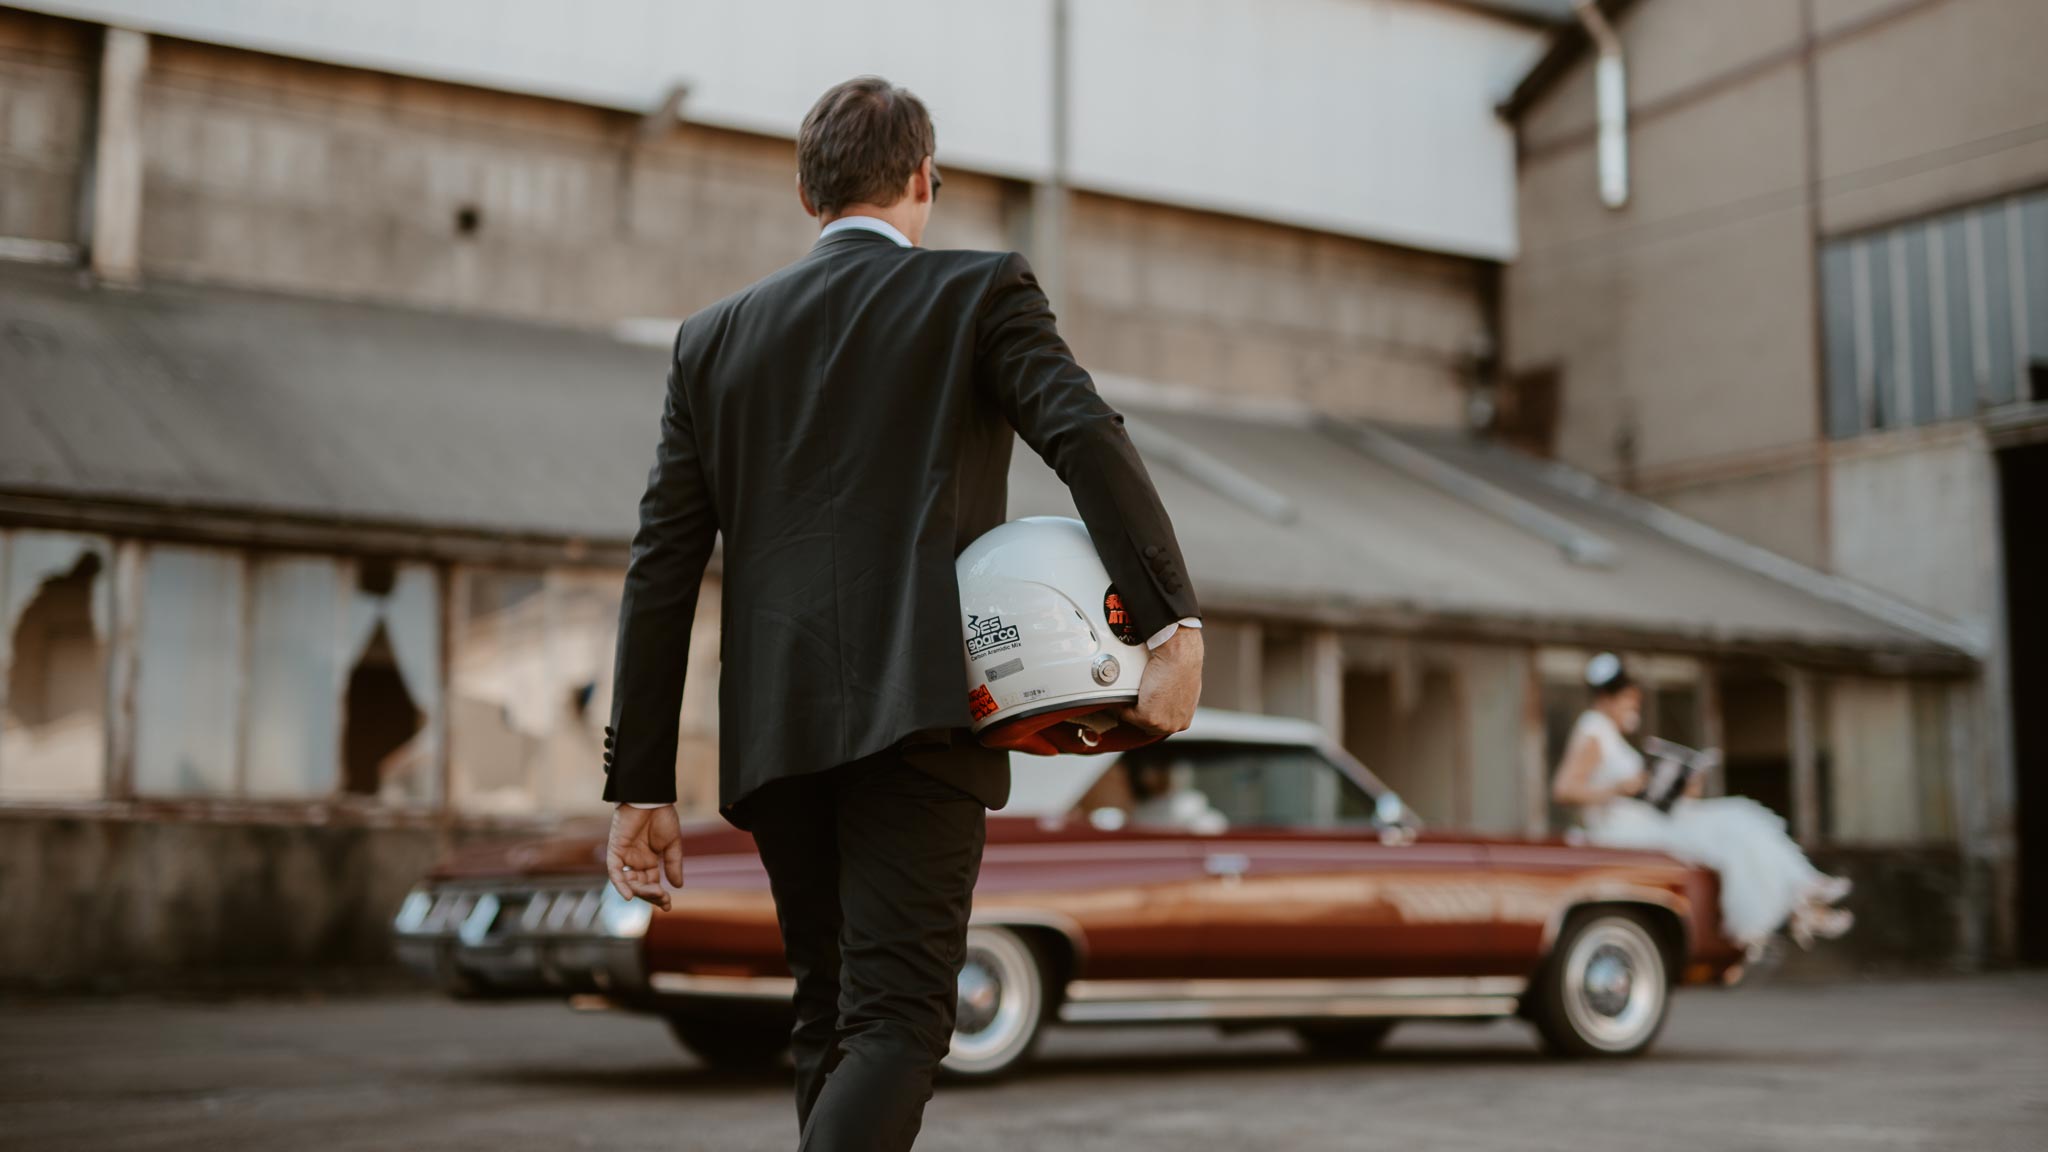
<point>983,68</point>
<point>1366,117</point>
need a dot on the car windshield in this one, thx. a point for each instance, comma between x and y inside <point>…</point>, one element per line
<point>1211,788</point>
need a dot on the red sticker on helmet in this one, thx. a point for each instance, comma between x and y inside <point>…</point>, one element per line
<point>981,701</point>
<point>1121,625</point>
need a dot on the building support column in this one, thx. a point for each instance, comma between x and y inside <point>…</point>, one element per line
<point>116,225</point>
<point>124,660</point>
<point>1713,727</point>
<point>1535,772</point>
<point>1805,757</point>
<point>1326,682</point>
<point>1049,198</point>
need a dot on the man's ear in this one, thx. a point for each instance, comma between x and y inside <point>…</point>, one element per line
<point>804,198</point>
<point>921,181</point>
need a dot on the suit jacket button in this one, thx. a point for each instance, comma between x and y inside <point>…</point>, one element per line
<point>1151,550</point>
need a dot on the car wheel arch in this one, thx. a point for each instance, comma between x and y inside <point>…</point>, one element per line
<point>1058,942</point>
<point>1666,922</point>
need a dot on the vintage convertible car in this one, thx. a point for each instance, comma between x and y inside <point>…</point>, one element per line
<point>1246,873</point>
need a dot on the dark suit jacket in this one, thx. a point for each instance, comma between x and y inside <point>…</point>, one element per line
<point>845,425</point>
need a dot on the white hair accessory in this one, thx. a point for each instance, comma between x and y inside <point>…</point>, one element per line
<point>1602,669</point>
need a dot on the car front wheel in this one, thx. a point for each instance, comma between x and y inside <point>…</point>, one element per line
<point>1002,1003</point>
<point>1605,989</point>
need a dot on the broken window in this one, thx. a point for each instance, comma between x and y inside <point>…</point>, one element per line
<point>295,676</point>
<point>531,686</point>
<point>188,673</point>
<point>344,679</point>
<point>498,688</point>
<point>54,604</point>
<point>391,744</point>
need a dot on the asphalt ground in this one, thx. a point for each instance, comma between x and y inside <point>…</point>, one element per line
<point>1944,1064</point>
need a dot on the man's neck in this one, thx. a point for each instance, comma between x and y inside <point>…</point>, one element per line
<point>895,216</point>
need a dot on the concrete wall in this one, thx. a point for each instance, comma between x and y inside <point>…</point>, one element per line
<point>281,174</point>
<point>1684,324</point>
<point>1253,309</point>
<point>199,902</point>
<point>1915,514</point>
<point>1937,107</point>
<point>46,81</point>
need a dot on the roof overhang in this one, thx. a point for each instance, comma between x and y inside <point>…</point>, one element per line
<point>221,416</point>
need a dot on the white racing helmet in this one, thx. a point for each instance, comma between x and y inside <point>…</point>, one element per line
<point>1051,651</point>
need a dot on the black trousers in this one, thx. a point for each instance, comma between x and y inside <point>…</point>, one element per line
<point>872,865</point>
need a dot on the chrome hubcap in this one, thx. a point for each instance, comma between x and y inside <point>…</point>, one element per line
<point>1609,980</point>
<point>981,997</point>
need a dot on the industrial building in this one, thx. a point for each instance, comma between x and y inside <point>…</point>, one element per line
<point>330,348</point>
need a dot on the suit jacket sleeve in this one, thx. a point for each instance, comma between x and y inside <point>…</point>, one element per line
<point>1053,405</point>
<point>678,524</point>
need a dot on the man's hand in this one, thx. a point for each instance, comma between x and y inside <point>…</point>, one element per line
<point>1171,687</point>
<point>644,843</point>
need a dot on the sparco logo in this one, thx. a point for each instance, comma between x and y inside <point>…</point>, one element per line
<point>990,634</point>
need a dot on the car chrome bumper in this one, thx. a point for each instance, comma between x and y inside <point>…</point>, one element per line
<point>544,937</point>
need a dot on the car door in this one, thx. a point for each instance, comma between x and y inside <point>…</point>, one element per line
<point>1301,882</point>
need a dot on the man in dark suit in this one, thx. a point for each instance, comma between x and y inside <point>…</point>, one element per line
<point>846,425</point>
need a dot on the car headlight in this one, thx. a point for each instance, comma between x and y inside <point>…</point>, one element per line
<point>623,918</point>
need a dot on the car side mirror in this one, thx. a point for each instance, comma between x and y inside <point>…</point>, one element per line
<point>1397,824</point>
<point>1388,810</point>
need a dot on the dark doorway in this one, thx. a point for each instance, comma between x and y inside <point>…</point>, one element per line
<point>381,717</point>
<point>1756,731</point>
<point>2023,497</point>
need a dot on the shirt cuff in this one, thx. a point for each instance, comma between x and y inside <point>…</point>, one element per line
<point>1166,633</point>
<point>637,804</point>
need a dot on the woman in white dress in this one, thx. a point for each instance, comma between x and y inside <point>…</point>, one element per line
<point>1766,881</point>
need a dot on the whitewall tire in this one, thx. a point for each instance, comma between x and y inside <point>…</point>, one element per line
<point>1606,988</point>
<point>1002,1003</point>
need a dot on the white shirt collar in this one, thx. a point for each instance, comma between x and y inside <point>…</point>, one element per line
<point>871,224</point>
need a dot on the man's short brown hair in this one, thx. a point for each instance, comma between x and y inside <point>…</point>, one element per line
<point>860,143</point>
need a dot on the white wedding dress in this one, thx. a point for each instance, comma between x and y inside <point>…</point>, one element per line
<point>1764,875</point>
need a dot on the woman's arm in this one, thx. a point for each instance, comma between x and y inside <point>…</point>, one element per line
<point>1574,783</point>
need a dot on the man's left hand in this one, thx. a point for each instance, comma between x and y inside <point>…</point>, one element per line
<point>644,844</point>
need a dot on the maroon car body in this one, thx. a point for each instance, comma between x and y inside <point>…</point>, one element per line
<point>1296,893</point>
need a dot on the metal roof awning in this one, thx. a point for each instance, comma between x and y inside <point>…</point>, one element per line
<point>319,422</point>
<point>1437,533</point>
<point>247,417</point>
